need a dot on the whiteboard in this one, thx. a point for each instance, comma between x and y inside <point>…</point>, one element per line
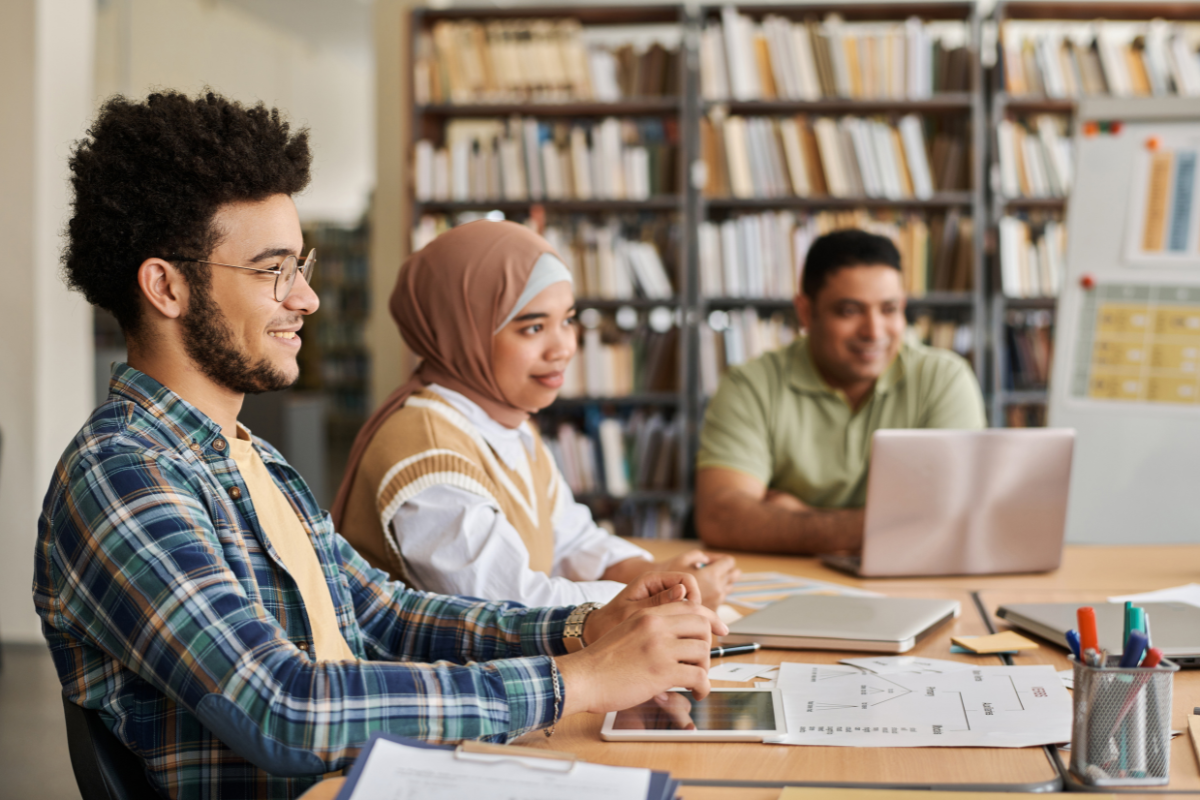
<point>1126,375</point>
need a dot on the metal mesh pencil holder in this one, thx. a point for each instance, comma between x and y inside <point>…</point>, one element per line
<point>1121,734</point>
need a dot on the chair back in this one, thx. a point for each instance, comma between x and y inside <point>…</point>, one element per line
<point>104,768</point>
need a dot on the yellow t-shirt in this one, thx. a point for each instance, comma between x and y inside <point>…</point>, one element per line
<point>290,540</point>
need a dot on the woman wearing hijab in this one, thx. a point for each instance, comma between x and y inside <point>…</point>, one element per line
<point>449,486</point>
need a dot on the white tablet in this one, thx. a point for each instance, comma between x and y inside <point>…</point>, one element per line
<point>726,715</point>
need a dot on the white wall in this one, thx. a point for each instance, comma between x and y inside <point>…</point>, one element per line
<point>189,44</point>
<point>46,49</point>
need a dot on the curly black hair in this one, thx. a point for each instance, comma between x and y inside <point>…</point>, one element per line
<point>150,177</point>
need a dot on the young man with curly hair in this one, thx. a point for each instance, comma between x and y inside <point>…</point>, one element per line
<point>189,586</point>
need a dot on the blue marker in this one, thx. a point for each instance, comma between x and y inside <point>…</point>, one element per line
<point>1073,642</point>
<point>1135,648</point>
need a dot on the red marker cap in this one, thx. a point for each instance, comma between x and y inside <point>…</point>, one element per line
<point>1089,636</point>
<point>1152,658</point>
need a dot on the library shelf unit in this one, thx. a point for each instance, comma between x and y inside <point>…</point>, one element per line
<point>957,115</point>
<point>966,108</point>
<point>669,209</point>
<point>1004,104</point>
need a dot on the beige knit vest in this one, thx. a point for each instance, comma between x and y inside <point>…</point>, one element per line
<point>429,443</point>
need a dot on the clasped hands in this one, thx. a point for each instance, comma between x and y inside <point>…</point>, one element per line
<point>656,634</point>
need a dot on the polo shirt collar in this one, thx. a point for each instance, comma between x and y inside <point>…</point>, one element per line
<point>806,378</point>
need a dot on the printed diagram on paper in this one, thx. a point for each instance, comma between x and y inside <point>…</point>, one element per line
<point>838,704</point>
<point>1138,343</point>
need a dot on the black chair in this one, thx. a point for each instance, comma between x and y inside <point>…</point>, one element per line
<point>104,768</point>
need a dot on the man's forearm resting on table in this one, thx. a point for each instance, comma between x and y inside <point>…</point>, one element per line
<point>733,513</point>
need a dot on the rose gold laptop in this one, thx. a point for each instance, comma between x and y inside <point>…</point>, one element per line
<point>942,502</point>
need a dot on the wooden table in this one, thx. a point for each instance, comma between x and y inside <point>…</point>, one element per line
<point>1088,574</point>
<point>750,765</point>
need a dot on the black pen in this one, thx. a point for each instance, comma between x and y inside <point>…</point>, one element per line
<point>734,650</point>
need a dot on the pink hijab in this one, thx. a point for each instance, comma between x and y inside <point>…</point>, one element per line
<point>449,299</point>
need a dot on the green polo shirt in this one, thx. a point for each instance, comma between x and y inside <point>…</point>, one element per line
<point>775,418</point>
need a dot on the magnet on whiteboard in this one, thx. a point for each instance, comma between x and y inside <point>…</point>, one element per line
<point>1152,143</point>
<point>1087,281</point>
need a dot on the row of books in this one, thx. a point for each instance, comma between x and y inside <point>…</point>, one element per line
<point>730,338</point>
<point>1029,335</point>
<point>615,260</point>
<point>612,363</point>
<point>1033,257</point>
<point>948,334</point>
<point>777,58</point>
<point>847,157</point>
<point>535,60</point>
<point>1124,59</point>
<point>1034,157</point>
<point>613,456</point>
<point>620,258</point>
<point>762,255</point>
<point>528,159</point>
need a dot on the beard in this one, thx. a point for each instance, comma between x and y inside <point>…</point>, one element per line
<point>209,343</point>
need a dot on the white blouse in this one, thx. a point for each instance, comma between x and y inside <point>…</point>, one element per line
<point>457,542</point>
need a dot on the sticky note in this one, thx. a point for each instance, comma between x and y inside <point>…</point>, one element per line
<point>996,643</point>
<point>962,651</point>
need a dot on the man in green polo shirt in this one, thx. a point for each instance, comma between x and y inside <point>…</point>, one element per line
<point>787,438</point>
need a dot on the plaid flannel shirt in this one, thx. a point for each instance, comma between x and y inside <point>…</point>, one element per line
<point>166,608</point>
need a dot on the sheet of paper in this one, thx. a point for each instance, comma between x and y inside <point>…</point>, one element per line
<point>739,671</point>
<point>1003,642</point>
<point>841,705</point>
<point>1189,593</point>
<point>758,590</point>
<point>887,665</point>
<point>396,772</point>
<point>1068,677</point>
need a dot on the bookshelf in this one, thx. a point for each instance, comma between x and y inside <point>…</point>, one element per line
<point>632,107</point>
<point>939,107</point>
<point>1031,37</point>
<point>929,192</point>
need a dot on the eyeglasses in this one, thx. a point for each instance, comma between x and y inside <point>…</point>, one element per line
<point>285,273</point>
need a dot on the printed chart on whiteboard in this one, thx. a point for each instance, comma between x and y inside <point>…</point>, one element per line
<point>1138,343</point>
<point>1164,215</point>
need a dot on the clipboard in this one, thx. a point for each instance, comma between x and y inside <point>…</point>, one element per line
<point>662,786</point>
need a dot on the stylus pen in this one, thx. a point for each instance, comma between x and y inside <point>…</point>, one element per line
<point>735,650</point>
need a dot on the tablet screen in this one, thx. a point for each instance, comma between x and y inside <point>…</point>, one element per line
<point>720,711</point>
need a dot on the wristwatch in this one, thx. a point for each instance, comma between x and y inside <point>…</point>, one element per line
<point>573,632</point>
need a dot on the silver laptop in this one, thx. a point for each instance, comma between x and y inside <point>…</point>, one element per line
<point>942,502</point>
<point>825,622</point>
<point>1174,627</point>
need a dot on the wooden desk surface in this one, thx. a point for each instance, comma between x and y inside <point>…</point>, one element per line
<point>1116,569</point>
<point>1026,769</point>
<point>1185,771</point>
<point>1088,574</point>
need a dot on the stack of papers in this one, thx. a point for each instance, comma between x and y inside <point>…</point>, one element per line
<point>757,590</point>
<point>395,768</point>
<point>909,702</point>
<point>1189,593</point>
